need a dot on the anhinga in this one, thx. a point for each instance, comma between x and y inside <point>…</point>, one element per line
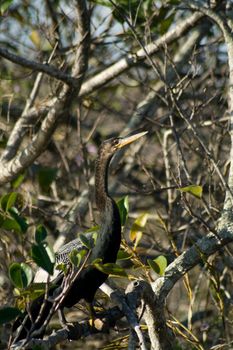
<point>106,246</point>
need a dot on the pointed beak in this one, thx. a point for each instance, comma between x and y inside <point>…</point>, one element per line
<point>129,139</point>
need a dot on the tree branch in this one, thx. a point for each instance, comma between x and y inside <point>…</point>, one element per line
<point>61,105</point>
<point>38,67</point>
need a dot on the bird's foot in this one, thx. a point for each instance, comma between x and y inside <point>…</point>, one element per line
<point>73,329</point>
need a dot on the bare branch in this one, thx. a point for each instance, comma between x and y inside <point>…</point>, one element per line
<point>229,43</point>
<point>38,67</point>
<point>130,60</point>
<point>193,256</point>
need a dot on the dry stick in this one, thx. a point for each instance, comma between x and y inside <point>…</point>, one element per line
<point>229,43</point>
<point>167,167</point>
<point>22,123</point>
<point>132,59</point>
<point>75,332</point>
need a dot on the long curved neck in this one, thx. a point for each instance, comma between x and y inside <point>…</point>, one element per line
<point>101,181</point>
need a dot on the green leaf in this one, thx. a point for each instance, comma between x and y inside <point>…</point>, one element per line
<point>21,221</point>
<point>20,274</point>
<point>43,256</point>
<point>45,177</point>
<point>8,200</point>
<point>158,265</point>
<point>195,190</point>
<point>153,265</point>
<point>123,206</point>
<point>40,234</point>
<point>111,269</point>
<point>137,229</point>
<point>123,255</point>
<point>35,38</point>
<point>13,221</point>
<point>18,180</point>
<point>165,24</point>
<point>88,243</point>
<point>4,6</point>
<point>8,314</point>
<point>76,257</point>
<point>93,229</point>
<point>62,267</point>
<point>9,224</point>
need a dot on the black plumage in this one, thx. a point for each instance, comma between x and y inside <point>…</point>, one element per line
<point>106,246</point>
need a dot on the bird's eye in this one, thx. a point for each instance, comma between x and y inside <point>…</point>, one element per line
<point>115,142</point>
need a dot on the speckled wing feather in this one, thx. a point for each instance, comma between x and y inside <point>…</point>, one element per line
<point>62,255</point>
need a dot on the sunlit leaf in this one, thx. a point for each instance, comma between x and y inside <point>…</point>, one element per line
<point>76,257</point>
<point>62,267</point>
<point>195,190</point>
<point>43,256</point>
<point>20,274</point>
<point>40,234</point>
<point>4,5</point>
<point>33,291</point>
<point>111,269</point>
<point>8,314</point>
<point>35,38</point>
<point>93,229</point>
<point>158,265</point>
<point>137,229</point>
<point>123,206</point>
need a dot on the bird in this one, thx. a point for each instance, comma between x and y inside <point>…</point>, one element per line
<point>106,247</point>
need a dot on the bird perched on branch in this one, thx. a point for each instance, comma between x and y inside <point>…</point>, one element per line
<point>86,282</point>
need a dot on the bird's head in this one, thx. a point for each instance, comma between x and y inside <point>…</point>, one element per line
<point>110,146</point>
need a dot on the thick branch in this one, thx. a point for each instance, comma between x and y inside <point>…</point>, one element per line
<point>140,293</point>
<point>198,253</point>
